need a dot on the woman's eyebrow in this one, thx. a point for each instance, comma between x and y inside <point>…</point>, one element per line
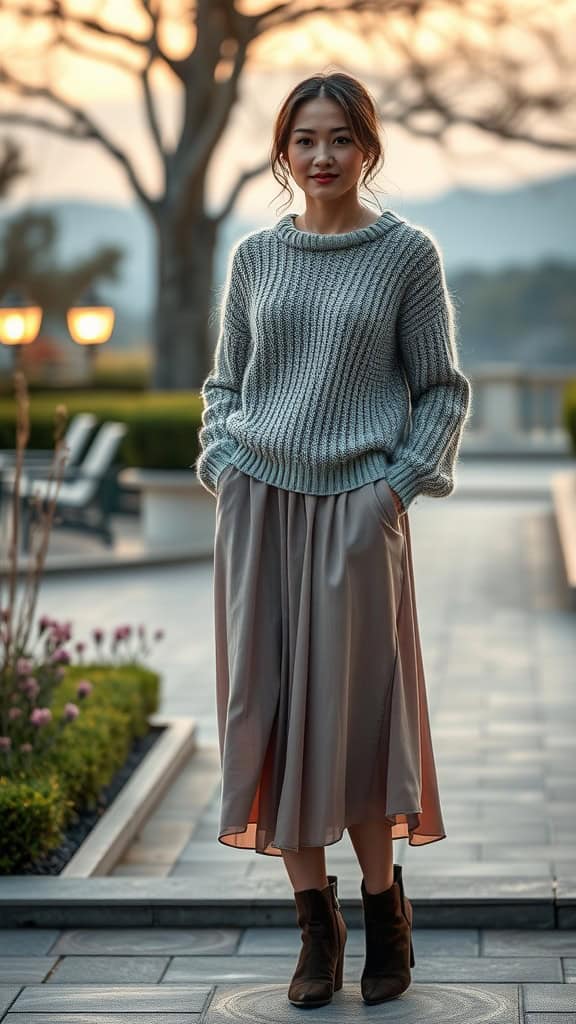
<point>342,128</point>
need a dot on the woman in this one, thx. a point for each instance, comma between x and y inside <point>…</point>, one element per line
<point>335,399</point>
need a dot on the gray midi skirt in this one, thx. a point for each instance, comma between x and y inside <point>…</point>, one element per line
<point>321,699</point>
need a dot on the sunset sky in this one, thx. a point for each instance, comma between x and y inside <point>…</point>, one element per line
<point>413,168</point>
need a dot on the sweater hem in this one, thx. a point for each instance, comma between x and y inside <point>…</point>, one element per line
<point>306,479</point>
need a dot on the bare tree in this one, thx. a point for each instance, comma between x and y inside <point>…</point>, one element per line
<point>11,166</point>
<point>502,67</point>
<point>28,250</point>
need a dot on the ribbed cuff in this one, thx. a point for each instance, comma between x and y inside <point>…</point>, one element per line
<point>211,462</point>
<point>402,477</point>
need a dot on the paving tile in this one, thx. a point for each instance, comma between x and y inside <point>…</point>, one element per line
<point>427,941</point>
<point>549,998</point>
<point>536,851</point>
<point>430,887</point>
<point>570,969</point>
<point>8,994</point>
<point>113,970</point>
<point>27,941</point>
<point>487,969</point>
<point>567,884</point>
<point>452,851</point>
<point>550,1018</point>
<point>200,869</point>
<point>486,868</point>
<point>146,870</point>
<point>101,1018</point>
<point>24,970</point>
<point>243,969</point>
<point>66,999</point>
<point>510,942</point>
<point>432,1004</point>
<point>454,969</point>
<point>484,833</point>
<point>151,941</point>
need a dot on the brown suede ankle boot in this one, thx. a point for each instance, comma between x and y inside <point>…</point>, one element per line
<point>388,935</point>
<point>319,969</point>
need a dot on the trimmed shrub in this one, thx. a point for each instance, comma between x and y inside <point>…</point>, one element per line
<point>37,804</point>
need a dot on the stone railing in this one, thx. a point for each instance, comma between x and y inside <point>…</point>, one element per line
<point>517,408</point>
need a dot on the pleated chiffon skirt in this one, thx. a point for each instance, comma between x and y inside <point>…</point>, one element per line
<point>321,699</point>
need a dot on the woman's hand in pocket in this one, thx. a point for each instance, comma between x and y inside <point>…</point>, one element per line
<point>397,501</point>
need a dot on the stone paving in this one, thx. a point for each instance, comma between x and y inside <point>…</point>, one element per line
<point>136,976</point>
<point>499,644</point>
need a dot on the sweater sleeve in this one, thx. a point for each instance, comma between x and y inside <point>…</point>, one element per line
<point>440,393</point>
<point>221,389</point>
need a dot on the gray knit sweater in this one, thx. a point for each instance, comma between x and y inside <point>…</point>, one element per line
<point>336,363</point>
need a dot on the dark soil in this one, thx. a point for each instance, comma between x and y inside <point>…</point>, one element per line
<point>85,820</point>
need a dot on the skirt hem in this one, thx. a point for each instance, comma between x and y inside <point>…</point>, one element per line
<point>274,850</point>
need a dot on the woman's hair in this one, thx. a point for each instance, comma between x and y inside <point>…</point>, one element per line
<point>356,102</point>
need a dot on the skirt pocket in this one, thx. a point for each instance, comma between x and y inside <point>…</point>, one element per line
<point>385,503</point>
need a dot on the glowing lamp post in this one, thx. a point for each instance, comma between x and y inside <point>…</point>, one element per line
<point>19,322</point>
<point>89,320</point>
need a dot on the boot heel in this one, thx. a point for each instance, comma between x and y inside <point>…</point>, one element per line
<point>410,918</point>
<point>338,977</point>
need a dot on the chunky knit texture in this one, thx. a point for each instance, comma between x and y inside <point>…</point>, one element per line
<point>336,363</point>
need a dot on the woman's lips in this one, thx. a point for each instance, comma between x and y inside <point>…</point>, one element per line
<point>324,177</point>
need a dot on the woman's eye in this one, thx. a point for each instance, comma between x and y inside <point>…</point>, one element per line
<point>338,138</point>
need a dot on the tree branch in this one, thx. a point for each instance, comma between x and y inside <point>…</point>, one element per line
<point>97,55</point>
<point>288,13</point>
<point>149,104</point>
<point>55,10</point>
<point>80,120</point>
<point>194,153</point>
<point>242,181</point>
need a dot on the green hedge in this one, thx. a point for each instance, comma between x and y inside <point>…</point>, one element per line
<point>36,805</point>
<point>569,412</point>
<point>162,426</point>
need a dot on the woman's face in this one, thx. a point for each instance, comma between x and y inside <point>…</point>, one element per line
<point>320,141</point>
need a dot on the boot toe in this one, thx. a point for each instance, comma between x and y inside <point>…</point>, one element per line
<point>378,990</point>
<point>311,993</point>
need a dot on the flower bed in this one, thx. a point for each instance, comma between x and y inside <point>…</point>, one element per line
<point>54,758</point>
<point>37,803</point>
<point>85,819</point>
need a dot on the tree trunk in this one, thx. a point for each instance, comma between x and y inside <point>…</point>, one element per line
<point>185,269</point>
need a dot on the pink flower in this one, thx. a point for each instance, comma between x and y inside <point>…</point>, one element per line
<point>61,632</point>
<point>98,635</point>
<point>80,646</point>
<point>23,666</point>
<point>84,688</point>
<point>5,743</point>
<point>61,654</point>
<point>26,748</point>
<point>14,713</point>
<point>71,711</point>
<point>31,687</point>
<point>44,623</point>
<point>40,716</point>
<point>159,634</point>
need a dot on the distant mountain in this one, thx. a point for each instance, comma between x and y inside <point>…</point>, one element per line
<point>490,229</point>
<point>476,229</point>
